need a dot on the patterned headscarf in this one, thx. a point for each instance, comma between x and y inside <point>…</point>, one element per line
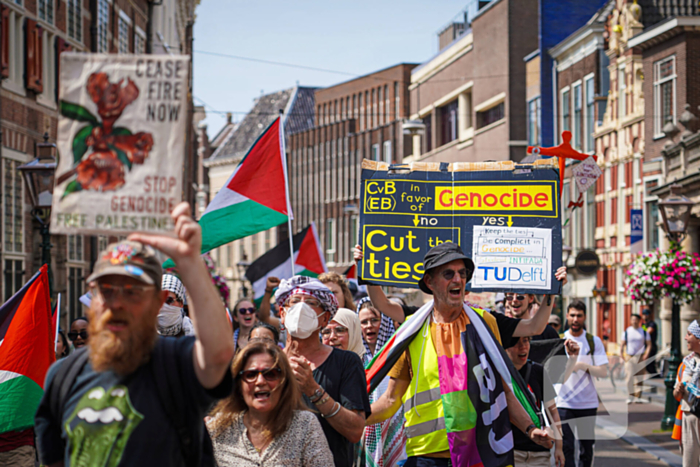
<point>173,284</point>
<point>694,329</point>
<point>386,327</point>
<point>308,286</point>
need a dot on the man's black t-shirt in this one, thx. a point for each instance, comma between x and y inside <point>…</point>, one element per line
<point>506,325</point>
<point>538,383</point>
<point>342,376</point>
<point>113,420</point>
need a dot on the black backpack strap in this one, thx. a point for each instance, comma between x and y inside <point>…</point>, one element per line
<point>173,401</point>
<point>64,380</point>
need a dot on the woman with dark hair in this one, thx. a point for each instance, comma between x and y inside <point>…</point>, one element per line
<point>78,333</point>
<point>264,421</point>
<point>264,332</point>
<point>339,286</point>
<point>62,347</point>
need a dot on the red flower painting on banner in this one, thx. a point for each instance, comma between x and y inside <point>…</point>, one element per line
<point>111,151</point>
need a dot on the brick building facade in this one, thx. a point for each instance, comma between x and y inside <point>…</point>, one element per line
<point>355,120</point>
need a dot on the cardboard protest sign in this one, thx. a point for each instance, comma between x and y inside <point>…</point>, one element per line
<point>121,143</point>
<point>507,221</point>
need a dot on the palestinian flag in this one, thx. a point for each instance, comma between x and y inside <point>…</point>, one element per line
<point>26,352</point>
<point>253,199</point>
<point>308,261</point>
<point>469,435</point>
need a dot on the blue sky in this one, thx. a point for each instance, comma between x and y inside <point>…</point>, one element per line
<point>356,37</point>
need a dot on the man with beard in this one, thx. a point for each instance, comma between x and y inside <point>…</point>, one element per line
<point>113,413</point>
<point>577,398</point>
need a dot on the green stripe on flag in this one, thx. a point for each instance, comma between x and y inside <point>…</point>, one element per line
<point>527,405</point>
<point>19,399</point>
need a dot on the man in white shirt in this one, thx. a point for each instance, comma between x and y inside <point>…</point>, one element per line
<point>635,345</point>
<point>577,398</point>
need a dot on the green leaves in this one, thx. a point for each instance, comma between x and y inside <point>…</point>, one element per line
<point>80,146</point>
<point>77,112</point>
<point>121,155</point>
<point>121,131</point>
<point>72,187</point>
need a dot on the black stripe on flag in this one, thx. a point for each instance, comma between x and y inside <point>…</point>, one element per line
<point>275,257</point>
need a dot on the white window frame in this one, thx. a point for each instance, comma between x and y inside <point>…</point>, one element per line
<point>537,101</point>
<point>103,7</point>
<point>123,30</point>
<point>74,8</point>
<point>576,129</point>
<point>47,97</point>
<point>139,41</point>
<point>14,162</point>
<point>75,311</point>
<point>331,231</point>
<point>564,95</point>
<point>12,257</point>
<point>622,92</point>
<point>48,5</point>
<point>376,154</point>
<point>15,82</point>
<point>658,117</point>
<point>386,149</point>
<point>80,258</point>
<point>102,242</point>
<point>588,130</point>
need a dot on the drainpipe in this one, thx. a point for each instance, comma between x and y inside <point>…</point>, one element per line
<point>149,26</point>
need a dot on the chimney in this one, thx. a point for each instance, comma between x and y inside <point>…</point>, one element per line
<point>229,118</point>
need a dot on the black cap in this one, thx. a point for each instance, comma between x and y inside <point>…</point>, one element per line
<point>442,254</point>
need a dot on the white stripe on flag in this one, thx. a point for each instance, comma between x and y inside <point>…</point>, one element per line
<point>224,198</point>
<point>283,271</point>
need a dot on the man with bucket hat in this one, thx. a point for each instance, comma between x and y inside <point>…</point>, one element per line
<point>448,371</point>
<point>131,398</point>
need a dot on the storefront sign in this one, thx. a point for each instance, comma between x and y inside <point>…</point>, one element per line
<point>587,262</point>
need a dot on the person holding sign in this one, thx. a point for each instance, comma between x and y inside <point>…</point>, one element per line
<point>113,402</point>
<point>446,359</point>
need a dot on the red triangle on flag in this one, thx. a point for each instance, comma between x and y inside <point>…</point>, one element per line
<point>351,272</point>
<point>260,176</point>
<point>310,256</point>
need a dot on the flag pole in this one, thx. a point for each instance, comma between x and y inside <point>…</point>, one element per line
<point>290,215</point>
<point>58,322</point>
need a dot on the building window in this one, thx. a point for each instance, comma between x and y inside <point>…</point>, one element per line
<point>75,290</point>
<point>622,92</point>
<point>14,277</point>
<point>397,101</point>
<point>375,155</point>
<point>102,26</point>
<point>330,240</point>
<point>75,248</point>
<point>492,115</point>
<point>578,116</point>
<point>428,137</point>
<point>533,122</point>
<point>387,106</point>
<point>102,242</point>
<point>353,230</point>
<point>16,49</point>
<point>590,220</point>
<point>664,94</point>
<point>387,152</point>
<point>565,111</point>
<point>13,212</point>
<point>253,247</point>
<point>139,41</point>
<point>45,8</point>
<point>449,122</point>
<point>652,230</point>
<point>75,19</point>
<point>48,78</point>
<point>123,36</point>
<point>590,115</point>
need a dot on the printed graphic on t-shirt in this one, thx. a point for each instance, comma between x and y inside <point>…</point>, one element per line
<point>100,426</point>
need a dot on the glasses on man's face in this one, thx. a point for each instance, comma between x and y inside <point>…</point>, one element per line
<point>338,330</point>
<point>73,335</point>
<point>172,301</point>
<point>519,298</point>
<point>449,274</point>
<point>308,300</point>
<point>270,374</point>
<point>246,311</point>
<point>128,292</point>
<point>372,321</point>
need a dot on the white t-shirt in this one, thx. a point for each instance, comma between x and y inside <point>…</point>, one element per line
<point>578,392</point>
<point>635,340</point>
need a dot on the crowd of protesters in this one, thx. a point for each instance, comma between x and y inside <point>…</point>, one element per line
<point>286,382</point>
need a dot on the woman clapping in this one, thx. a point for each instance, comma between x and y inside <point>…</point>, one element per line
<point>264,421</point>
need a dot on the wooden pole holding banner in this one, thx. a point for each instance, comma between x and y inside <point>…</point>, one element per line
<point>290,216</point>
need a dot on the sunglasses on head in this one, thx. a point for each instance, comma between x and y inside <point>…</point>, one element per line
<point>246,311</point>
<point>519,298</point>
<point>73,335</point>
<point>270,374</point>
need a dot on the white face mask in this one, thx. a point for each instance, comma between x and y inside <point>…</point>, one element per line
<point>169,320</point>
<point>301,321</point>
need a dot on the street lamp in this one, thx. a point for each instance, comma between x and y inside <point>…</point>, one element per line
<point>242,269</point>
<point>38,176</point>
<point>675,213</point>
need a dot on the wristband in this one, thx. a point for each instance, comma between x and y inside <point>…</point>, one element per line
<point>318,393</point>
<point>528,429</point>
<point>334,413</point>
<point>319,403</point>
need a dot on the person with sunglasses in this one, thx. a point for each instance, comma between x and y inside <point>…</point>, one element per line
<point>332,380</point>
<point>245,317</point>
<point>265,421</point>
<point>131,397</point>
<point>78,333</point>
<point>344,332</point>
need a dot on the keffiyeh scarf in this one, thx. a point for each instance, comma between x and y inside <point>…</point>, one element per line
<point>309,286</point>
<point>174,284</point>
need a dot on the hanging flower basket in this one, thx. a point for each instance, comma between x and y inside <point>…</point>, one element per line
<point>655,275</point>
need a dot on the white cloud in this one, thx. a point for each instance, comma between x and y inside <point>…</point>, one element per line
<point>96,393</point>
<point>108,415</point>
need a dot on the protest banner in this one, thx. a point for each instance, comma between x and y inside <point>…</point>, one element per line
<point>121,143</point>
<point>508,220</point>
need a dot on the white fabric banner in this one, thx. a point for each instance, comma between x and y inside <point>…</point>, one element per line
<point>121,143</point>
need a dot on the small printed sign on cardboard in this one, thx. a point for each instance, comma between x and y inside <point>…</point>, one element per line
<point>121,143</point>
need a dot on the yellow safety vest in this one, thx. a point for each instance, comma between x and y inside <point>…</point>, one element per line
<point>422,403</point>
